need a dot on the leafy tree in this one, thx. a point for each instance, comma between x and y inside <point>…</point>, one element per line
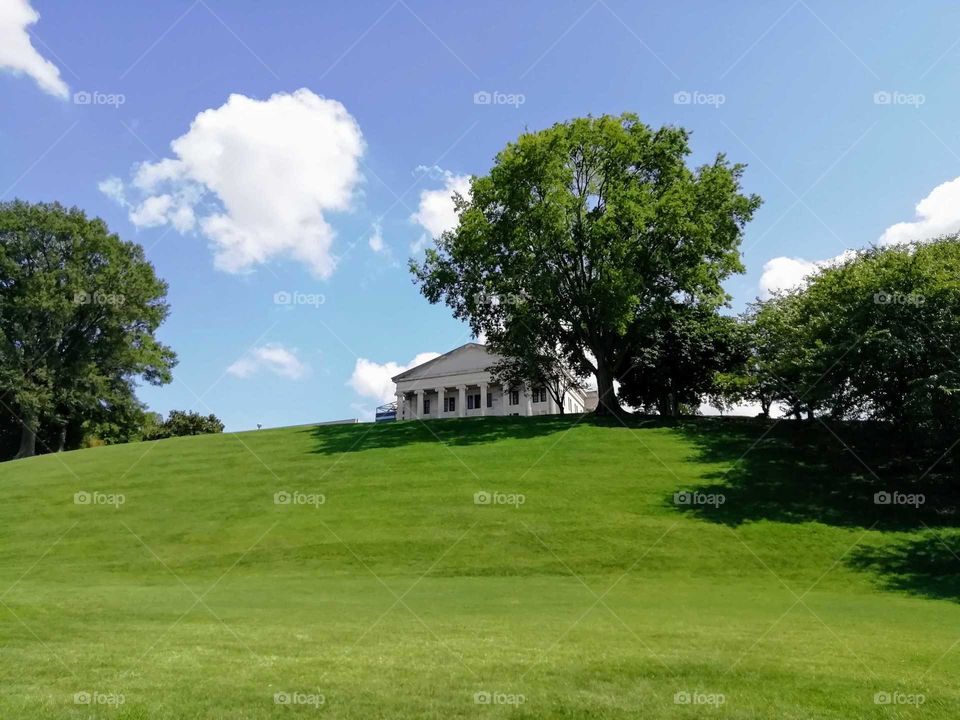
<point>682,349</point>
<point>593,222</point>
<point>78,311</point>
<point>874,337</point>
<point>180,423</point>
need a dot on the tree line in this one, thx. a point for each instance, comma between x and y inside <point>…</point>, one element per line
<point>592,245</point>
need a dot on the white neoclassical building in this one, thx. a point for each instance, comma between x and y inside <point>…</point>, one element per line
<point>458,384</point>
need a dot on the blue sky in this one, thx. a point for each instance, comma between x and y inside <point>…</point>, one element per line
<point>332,133</point>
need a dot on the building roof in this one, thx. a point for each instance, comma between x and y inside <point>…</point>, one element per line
<point>418,369</point>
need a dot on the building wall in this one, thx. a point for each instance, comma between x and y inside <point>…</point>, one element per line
<point>499,406</point>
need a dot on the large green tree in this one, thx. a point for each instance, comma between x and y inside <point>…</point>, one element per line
<point>874,337</point>
<point>79,309</point>
<point>590,224</point>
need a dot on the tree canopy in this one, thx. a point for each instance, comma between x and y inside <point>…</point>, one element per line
<point>580,231</point>
<point>79,309</point>
<point>874,337</point>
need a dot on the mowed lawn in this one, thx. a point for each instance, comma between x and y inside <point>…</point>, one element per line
<point>383,589</point>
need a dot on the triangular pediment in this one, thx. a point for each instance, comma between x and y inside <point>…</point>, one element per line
<point>471,357</point>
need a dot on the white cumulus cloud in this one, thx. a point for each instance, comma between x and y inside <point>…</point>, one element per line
<point>937,214</point>
<point>272,357</point>
<point>436,212</point>
<point>372,380</point>
<point>784,273</point>
<point>17,53</point>
<point>257,178</point>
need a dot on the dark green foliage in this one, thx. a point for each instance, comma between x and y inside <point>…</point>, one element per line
<point>876,337</point>
<point>180,423</point>
<point>681,351</point>
<point>79,309</point>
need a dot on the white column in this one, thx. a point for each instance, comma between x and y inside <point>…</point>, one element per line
<point>400,399</point>
<point>551,405</point>
<point>420,404</point>
<point>483,398</point>
<point>461,400</point>
<point>440,402</point>
<point>525,400</point>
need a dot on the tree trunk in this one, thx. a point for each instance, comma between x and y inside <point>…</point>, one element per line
<point>765,407</point>
<point>28,438</point>
<point>606,397</point>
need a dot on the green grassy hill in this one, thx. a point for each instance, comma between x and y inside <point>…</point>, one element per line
<point>180,585</point>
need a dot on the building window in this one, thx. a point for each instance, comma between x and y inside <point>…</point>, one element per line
<point>539,395</point>
<point>514,397</point>
<point>489,400</point>
<point>426,406</point>
<point>449,404</point>
<point>473,402</point>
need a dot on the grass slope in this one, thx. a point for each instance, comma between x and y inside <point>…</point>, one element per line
<point>400,597</point>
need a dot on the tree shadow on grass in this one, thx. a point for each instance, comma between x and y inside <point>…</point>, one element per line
<point>925,564</point>
<point>845,475</point>
<point>795,472</point>
<point>336,439</point>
